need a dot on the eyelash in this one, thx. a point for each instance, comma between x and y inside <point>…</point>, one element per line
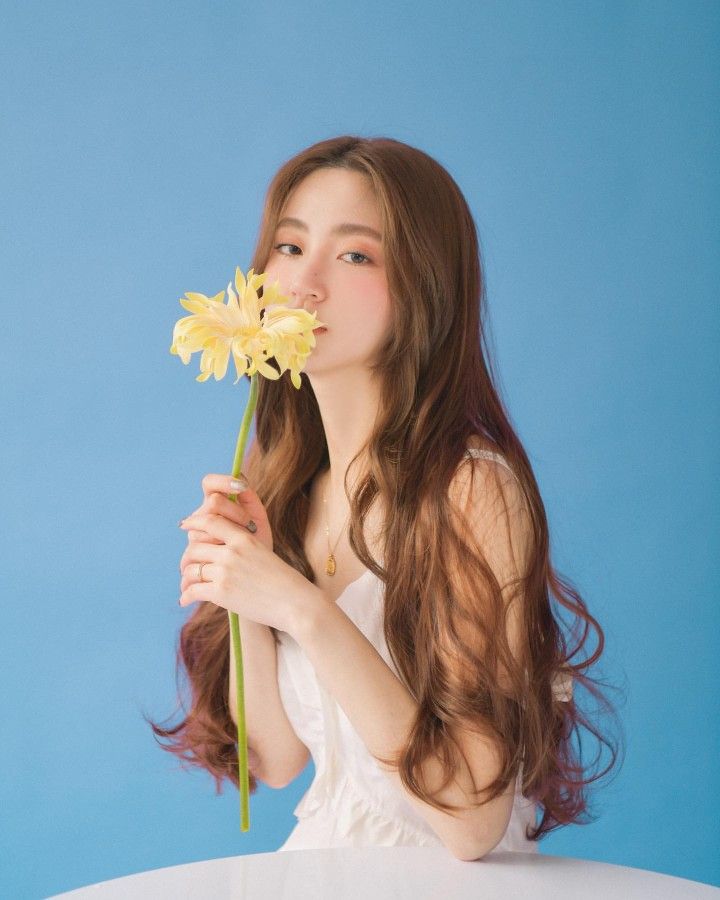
<point>353,252</point>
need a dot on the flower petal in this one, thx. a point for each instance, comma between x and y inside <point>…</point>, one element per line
<point>240,281</point>
<point>266,370</point>
<point>222,358</point>
<point>254,329</point>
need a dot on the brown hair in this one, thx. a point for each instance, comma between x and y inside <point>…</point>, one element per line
<point>438,393</point>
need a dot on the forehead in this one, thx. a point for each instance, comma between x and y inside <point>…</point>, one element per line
<point>335,193</point>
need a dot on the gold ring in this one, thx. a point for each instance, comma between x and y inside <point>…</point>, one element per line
<point>200,568</point>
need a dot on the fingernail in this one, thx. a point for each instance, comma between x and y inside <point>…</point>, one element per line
<point>180,522</point>
<point>251,526</point>
<point>238,484</point>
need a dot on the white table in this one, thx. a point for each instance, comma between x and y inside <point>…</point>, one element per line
<point>400,873</point>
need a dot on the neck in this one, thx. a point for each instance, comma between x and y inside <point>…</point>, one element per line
<point>348,403</point>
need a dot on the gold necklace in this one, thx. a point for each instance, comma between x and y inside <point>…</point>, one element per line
<point>330,564</point>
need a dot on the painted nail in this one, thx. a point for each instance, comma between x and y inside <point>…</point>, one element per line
<point>251,526</point>
<point>238,485</point>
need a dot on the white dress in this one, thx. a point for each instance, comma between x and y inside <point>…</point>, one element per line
<point>351,801</point>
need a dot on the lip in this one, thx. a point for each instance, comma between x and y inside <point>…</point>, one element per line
<point>319,330</point>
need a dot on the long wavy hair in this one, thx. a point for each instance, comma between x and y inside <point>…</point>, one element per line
<point>439,391</point>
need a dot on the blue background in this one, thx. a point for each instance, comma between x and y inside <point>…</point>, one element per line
<point>138,141</point>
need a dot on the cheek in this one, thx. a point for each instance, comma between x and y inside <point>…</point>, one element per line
<point>376,313</point>
<point>275,272</point>
<point>373,302</point>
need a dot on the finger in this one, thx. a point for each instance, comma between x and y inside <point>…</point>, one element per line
<point>247,499</point>
<point>220,505</point>
<point>225,484</point>
<point>217,527</point>
<point>202,552</point>
<point>199,592</point>
<point>192,575</point>
<point>216,502</point>
<point>195,536</point>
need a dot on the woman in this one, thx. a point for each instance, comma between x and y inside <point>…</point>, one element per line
<point>388,554</point>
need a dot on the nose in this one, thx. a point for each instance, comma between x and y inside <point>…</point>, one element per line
<point>306,287</point>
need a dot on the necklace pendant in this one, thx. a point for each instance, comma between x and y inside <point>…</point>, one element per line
<point>330,565</point>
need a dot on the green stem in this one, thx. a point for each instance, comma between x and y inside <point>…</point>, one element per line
<point>243,775</point>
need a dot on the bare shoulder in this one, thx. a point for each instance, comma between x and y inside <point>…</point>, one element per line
<point>490,498</point>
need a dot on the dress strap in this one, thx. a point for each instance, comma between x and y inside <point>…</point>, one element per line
<point>488,454</point>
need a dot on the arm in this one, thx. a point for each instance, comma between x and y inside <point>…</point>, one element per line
<point>281,754</point>
<point>276,753</point>
<point>382,710</point>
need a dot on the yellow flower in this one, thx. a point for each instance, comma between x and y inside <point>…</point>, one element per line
<point>219,329</point>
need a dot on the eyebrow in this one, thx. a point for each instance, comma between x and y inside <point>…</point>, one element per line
<point>344,228</point>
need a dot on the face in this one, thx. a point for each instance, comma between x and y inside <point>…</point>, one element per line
<point>325,266</point>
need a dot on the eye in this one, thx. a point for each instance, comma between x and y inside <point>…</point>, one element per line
<point>365,259</point>
<point>356,253</point>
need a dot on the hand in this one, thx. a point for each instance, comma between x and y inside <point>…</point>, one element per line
<point>246,509</point>
<point>240,571</point>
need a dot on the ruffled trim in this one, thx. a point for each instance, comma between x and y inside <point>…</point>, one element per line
<point>356,817</point>
<point>347,816</point>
